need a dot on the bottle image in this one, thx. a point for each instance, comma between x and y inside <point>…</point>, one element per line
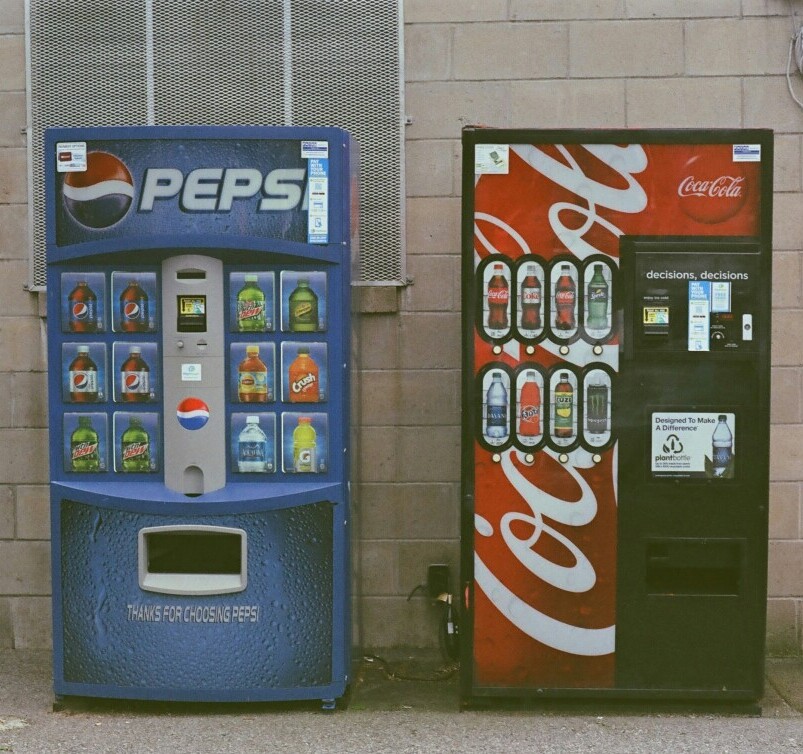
<point>84,446</point>
<point>530,299</point>
<point>135,385</point>
<point>562,424</point>
<point>304,446</point>
<point>252,447</point>
<point>251,316</point>
<point>252,377</point>
<point>498,299</point>
<point>722,442</point>
<point>83,375</point>
<point>303,308</point>
<point>496,425</point>
<point>135,447</point>
<point>597,301</point>
<point>134,309</point>
<point>303,382</point>
<point>83,308</point>
<point>597,408</point>
<point>565,300</point>
<point>530,407</point>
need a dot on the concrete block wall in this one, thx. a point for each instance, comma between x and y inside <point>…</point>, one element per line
<point>506,63</point>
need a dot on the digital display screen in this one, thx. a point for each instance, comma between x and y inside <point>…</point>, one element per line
<point>191,315</point>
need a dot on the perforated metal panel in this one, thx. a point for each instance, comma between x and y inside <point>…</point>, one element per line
<point>229,62</point>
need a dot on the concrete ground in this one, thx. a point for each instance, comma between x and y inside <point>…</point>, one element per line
<point>389,714</point>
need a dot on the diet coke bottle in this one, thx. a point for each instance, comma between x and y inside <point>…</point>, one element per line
<point>530,300</point>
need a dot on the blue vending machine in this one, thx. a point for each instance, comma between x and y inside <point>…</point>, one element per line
<point>199,358</point>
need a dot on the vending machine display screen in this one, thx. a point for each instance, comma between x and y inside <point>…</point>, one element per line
<point>191,314</point>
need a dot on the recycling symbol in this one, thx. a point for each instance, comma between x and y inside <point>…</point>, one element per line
<point>673,444</point>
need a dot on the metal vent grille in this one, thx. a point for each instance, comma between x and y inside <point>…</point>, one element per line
<point>229,62</point>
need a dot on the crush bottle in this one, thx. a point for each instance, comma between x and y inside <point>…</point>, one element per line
<point>303,379</point>
<point>565,300</point>
<point>563,422</point>
<point>498,299</point>
<point>251,315</point>
<point>84,446</point>
<point>597,294</point>
<point>82,306</point>
<point>135,447</point>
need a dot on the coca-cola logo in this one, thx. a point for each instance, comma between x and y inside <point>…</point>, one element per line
<point>498,295</point>
<point>565,297</point>
<point>711,187</point>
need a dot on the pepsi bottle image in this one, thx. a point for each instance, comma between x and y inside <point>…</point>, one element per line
<point>83,376</point>
<point>134,309</point>
<point>135,383</point>
<point>82,304</point>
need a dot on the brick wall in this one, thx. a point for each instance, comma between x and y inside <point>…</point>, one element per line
<point>506,63</point>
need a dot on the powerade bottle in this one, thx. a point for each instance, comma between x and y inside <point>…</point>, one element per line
<point>305,442</point>
<point>496,409</point>
<point>84,447</point>
<point>251,306</point>
<point>252,447</point>
<point>135,447</point>
<point>722,442</point>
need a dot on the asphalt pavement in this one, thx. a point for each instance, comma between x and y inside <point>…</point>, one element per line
<point>410,704</point>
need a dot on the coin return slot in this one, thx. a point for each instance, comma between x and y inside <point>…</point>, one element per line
<point>192,560</point>
<point>693,566</point>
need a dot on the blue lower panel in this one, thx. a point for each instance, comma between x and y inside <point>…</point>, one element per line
<point>276,634</point>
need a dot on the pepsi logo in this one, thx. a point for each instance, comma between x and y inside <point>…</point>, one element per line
<point>131,310</point>
<point>101,195</point>
<point>132,382</point>
<point>80,310</point>
<point>192,413</point>
<point>80,381</point>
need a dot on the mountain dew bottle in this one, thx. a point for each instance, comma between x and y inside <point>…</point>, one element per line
<point>251,306</point>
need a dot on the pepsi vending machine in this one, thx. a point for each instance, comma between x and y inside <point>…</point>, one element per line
<point>199,349</point>
<point>616,292</point>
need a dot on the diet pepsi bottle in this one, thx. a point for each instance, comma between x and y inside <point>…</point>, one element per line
<point>83,377</point>
<point>496,424</point>
<point>135,383</point>
<point>722,442</point>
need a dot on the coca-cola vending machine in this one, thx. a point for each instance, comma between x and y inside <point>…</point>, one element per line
<point>199,368</point>
<point>616,332</point>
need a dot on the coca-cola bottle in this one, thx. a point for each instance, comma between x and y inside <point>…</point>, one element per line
<point>498,299</point>
<point>565,300</point>
<point>530,299</point>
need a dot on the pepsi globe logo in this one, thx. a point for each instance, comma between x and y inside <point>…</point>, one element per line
<point>131,310</point>
<point>132,383</point>
<point>80,381</point>
<point>192,413</point>
<point>80,310</point>
<point>101,195</point>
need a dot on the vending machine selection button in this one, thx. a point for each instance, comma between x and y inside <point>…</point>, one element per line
<point>563,350</point>
<point>497,350</point>
<point>597,350</point>
<point>563,458</point>
<point>747,327</point>
<point>496,458</point>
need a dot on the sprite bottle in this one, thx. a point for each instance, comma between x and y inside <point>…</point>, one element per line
<point>303,308</point>
<point>84,446</point>
<point>251,306</point>
<point>135,449</point>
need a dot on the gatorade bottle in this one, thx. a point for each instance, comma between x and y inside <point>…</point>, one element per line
<point>304,446</point>
<point>304,385</point>
<point>252,377</point>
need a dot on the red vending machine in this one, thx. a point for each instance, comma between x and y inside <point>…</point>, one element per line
<point>616,328</point>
